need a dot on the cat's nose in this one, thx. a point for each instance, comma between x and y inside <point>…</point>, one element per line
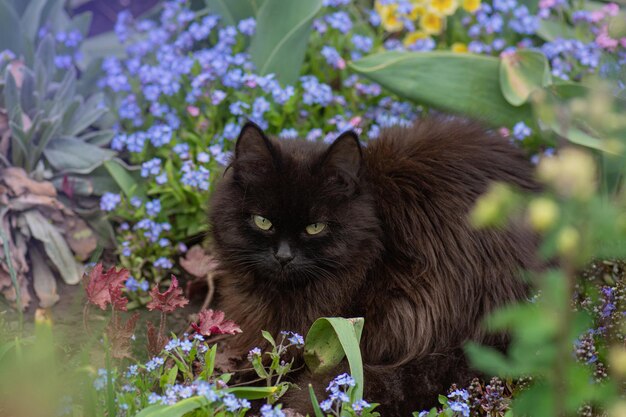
<point>283,253</point>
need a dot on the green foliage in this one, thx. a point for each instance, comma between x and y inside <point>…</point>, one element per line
<point>521,74</point>
<point>279,45</point>
<point>328,341</point>
<point>458,83</point>
<point>232,11</point>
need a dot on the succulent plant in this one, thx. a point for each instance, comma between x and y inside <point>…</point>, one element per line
<point>51,172</point>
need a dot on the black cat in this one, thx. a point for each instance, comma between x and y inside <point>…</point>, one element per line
<point>304,230</point>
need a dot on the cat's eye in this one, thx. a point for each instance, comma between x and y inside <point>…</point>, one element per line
<point>315,228</point>
<point>261,222</point>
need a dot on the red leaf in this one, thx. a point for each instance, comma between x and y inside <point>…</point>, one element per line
<point>118,301</point>
<point>212,322</point>
<point>120,336</point>
<point>99,286</point>
<point>168,301</point>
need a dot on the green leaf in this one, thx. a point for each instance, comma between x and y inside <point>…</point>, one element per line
<point>267,336</point>
<point>10,30</point>
<point>31,19</point>
<point>55,246</point>
<point>74,155</point>
<point>209,360</point>
<point>550,30</point>
<point>252,393</point>
<point>100,46</point>
<point>98,137</point>
<point>316,405</point>
<point>488,360</point>
<point>177,410</point>
<point>521,73</point>
<point>127,183</point>
<point>232,11</point>
<point>330,339</point>
<point>279,44</point>
<point>458,83</point>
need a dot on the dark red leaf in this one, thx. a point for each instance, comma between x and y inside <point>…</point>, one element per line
<point>121,335</point>
<point>169,300</point>
<point>156,341</point>
<point>100,285</point>
<point>118,301</point>
<point>212,322</point>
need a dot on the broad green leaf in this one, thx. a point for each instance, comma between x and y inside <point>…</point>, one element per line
<point>459,83</point>
<point>10,31</point>
<point>177,410</point>
<point>73,155</point>
<point>232,11</point>
<point>550,30</point>
<point>521,73</point>
<point>98,137</point>
<point>127,183</point>
<point>44,282</point>
<point>279,43</point>
<point>328,341</point>
<point>31,19</point>
<point>55,246</point>
<point>252,393</point>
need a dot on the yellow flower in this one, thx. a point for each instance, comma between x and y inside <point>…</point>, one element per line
<point>459,47</point>
<point>413,37</point>
<point>444,7</point>
<point>417,11</point>
<point>431,23</point>
<point>389,18</point>
<point>471,5</point>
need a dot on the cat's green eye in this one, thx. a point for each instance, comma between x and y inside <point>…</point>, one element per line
<point>261,222</point>
<point>315,228</point>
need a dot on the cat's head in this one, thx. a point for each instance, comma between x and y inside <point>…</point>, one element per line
<point>291,212</point>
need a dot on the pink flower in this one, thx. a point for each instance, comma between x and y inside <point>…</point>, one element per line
<point>604,40</point>
<point>611,9</point>
<point>355,121</point>
<point>623,42</point>
<point>504,132</point>
<point>193,111</point>
<point>547,4</point>
<point>341,63</point>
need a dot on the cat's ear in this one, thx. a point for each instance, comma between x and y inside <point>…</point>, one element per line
<point>254,151</point>
<point>345,155</point>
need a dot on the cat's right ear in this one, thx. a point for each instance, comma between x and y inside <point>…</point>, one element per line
<point>254,152</point>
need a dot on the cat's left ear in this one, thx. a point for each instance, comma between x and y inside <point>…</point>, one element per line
<point>345,155</point>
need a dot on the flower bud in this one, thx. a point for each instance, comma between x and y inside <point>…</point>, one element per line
<point>542,213</point>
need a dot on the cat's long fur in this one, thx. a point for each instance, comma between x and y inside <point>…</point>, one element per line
<point>399,251</point>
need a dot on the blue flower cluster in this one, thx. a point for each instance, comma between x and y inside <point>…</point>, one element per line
<point>339,397</point>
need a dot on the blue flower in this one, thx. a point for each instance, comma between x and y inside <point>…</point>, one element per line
<point>103,378</point>
<point>154,363</point>
<point>132,284</point>
<point>143,285</point>
<point>521,131</point>
<point>247,26</point>
<point>182,150</point>
<point>153,207</point>
<point>186,346</point>
<point>340,21</point>
<point>151,167</point>
<point>326,405</point>
<point>268,411</point>
<point>154,398</point>
<point>315,92</point>
<point>172,344</point>
<point>237,108</point>
<point>288,133</point>
<point>460,407</point>
<point>231,131</point>
<point>63,61</point>
<point>362,43</point>
<point>459,394</point>
<point>358,406</point>
<point>314,134</point>
<point>163,263</point>
<point>132,371</point>
<point>332,57</point>
<point>109,201</point>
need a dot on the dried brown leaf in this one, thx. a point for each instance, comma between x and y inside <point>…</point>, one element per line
<point>79,236</point>
<point>156,341</point>
<point>19,183</point>
<point>120,336</point>
<point>197,262</point>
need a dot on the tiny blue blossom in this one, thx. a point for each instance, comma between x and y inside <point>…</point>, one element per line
<point>163,263</point>
<point>521,131</point>
<point>247,26</point>
<point>109,201</point>
<point>153,207</point>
